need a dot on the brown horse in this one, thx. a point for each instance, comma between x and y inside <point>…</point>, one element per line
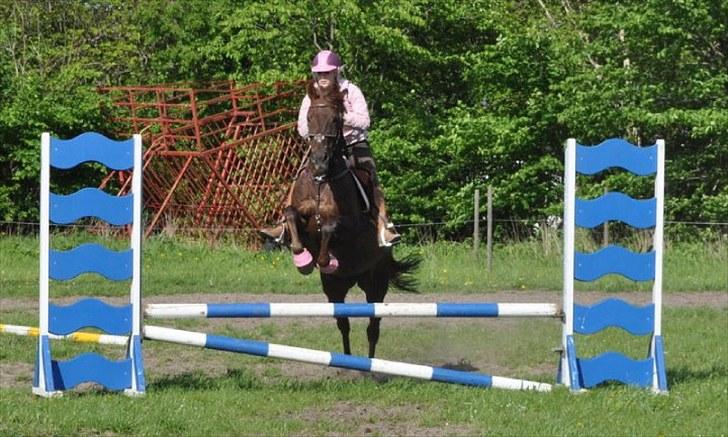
<point>329,225</point>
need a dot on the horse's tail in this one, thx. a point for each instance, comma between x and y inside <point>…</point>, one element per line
<point>401,272</point>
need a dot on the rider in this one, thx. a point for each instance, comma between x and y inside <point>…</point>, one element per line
<point>326,69</point>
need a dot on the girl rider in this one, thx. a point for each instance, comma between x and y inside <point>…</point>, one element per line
<point>326,69</point>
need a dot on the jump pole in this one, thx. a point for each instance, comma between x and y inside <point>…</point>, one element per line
<point>78,337</point>
<point>271,350</point>
<point>243,310</point>
<point>332,359</point>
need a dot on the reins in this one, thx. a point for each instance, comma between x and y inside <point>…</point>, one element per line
<point>320,180</point>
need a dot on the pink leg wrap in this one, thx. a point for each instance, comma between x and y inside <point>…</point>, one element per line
<point>333,265</point>
<point>302,259</point>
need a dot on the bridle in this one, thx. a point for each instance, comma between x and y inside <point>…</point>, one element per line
<point>319,137</point>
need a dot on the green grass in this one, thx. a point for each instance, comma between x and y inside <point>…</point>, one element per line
<point>172,267</point>
<point>193,391</point>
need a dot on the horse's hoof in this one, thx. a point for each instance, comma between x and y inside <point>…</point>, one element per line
<point>304,262</point>
<point>331,268</point>
<point>306,270</point>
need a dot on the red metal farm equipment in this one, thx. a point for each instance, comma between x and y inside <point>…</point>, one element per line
<point>218,159</point>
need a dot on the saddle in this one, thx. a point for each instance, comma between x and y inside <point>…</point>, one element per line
<point>362,179</point>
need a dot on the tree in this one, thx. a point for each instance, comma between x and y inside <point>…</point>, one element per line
<point>462,94</point>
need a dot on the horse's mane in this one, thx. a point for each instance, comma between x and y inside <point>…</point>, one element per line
<point>333,94</point>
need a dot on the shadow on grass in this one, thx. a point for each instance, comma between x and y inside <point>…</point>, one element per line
<point>240,379</point>
<point>247,380</point>
<point>199,381</point>
<point>462,365</point>
<point>686,375</point>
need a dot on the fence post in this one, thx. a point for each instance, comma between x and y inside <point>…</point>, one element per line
<point>476,221</point>
<point>490,228</point>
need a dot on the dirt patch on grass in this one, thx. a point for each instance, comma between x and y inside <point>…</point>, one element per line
<point>308,372</point>
<point>356,419</point>
<point>174,361</point>
<point>15,375</point>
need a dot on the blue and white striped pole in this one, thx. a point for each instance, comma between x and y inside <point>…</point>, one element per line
<point>170,311</point>
<point>263,349</point>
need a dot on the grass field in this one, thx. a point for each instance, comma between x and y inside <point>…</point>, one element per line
<point>195,392</point>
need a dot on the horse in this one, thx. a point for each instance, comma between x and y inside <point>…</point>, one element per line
<point>329,224</point>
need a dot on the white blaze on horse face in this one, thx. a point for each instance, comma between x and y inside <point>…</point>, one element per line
<point>319,154</point>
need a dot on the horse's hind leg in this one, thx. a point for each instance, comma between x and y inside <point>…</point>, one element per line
<point>335,289</point>
<point>344,327</point>
<point>373,334</point>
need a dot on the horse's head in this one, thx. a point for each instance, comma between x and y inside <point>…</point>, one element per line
<point>325,122</point>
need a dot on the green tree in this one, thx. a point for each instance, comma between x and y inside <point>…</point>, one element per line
<point>462,93</point>
<point>56,53</point>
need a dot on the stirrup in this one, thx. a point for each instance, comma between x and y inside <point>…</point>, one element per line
<point>276,233</point>
<point>395,237</point>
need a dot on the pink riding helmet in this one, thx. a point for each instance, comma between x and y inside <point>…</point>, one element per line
<point>324,61</point>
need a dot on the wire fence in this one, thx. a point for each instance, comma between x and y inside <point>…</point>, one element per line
<point>29,227</point>
<point>545,231</point>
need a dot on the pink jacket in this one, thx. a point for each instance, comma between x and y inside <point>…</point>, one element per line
<point>356,118</point>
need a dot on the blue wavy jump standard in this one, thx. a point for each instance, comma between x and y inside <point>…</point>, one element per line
<point>52,377</point>
<point>580,372</point>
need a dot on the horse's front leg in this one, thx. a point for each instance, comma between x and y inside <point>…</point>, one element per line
<point>327,263</point>
<point>292,217</point>
<point>302,258</point>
